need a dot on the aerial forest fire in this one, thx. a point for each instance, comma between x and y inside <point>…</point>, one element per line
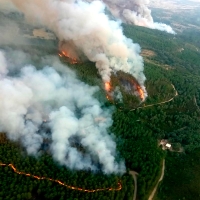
<point>61,183</point>
<point>71,59</point>
<point>140,92</point>
<point>107,86</point>
<point>132,86</point>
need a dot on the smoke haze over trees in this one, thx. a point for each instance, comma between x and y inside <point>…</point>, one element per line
<point>90,30</point>
<point>135,12</point>
<point>42,104</point>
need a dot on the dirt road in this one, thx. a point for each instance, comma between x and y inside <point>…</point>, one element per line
<point>176,94</point>
<point>134,174</point>
<point>160,179</point>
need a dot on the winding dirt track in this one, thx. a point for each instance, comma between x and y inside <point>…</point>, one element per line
<point>160,179</point>
<point>176,94</point>
<point>133,173</point>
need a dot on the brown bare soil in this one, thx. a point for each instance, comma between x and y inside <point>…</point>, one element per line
<point>148,53</point>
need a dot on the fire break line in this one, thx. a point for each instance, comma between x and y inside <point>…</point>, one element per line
<point>61,183</point>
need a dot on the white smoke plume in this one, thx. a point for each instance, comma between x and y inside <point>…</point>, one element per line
<point>117,95</point>
<point>7,6</point>
<point>43,104</point>
<point>90,30</point>
<point>10,33</point>
<point>135,12</point>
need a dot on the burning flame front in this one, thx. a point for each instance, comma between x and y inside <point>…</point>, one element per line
<point>141,93</point>
<point>71,59</point>
<point>107,86</point>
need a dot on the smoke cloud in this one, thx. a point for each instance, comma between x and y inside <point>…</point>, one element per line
<point>7,6</point>
<point>10,33</point>
<point>38,105</point>
<point>88,28</point>
<point>49,107</point>
<point>135,12</point>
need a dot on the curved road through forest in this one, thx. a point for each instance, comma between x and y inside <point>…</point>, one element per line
<point>160,179</point>
<point>133,173</point>
<point>176,94</point>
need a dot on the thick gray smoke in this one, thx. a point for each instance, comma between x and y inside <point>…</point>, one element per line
<point>38,105</point>
<point>89,29</point>
<point>135,12</point>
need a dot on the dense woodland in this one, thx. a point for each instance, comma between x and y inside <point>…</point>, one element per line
<point>15,186</point>
<point>176,62</point>
<point>183,175</point>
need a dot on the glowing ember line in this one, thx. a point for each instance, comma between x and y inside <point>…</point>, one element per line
<point>61,183</point>
<point>71,59</point>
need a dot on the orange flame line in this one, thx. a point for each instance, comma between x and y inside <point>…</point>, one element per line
<point>61,183</point>
<point>72,60</point>
<point>141,92</point>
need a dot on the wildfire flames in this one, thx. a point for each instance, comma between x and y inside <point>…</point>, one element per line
<point>61,183</point>
<point>108,90</point>
<point>141,92</point>
<point>132,86</point>
<point>71,59</point>
<point>107,86</point>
